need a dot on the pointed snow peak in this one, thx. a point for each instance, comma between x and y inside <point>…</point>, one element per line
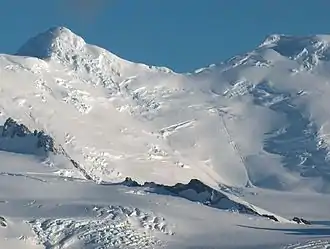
<point>293,46</point>
<point>280,39</point>
<point>270,40</point>
<point>53,42</point>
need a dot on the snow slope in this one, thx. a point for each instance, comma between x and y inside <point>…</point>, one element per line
<point>44,210</point>
<point>252,131</point>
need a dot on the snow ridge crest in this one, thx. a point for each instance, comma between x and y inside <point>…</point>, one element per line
<point>55,42</point>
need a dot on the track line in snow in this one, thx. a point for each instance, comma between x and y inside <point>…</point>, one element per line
<point>21,175</point>
<point>232,142</point>
<point>175,127</point>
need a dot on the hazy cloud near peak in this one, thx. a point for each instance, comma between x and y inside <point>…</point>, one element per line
<point>86,10</point>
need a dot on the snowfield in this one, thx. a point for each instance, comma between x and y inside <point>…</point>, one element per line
<point>99,152</point>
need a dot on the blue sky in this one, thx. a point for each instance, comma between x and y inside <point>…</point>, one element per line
<point>180,34</point>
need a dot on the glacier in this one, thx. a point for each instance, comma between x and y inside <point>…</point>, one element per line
<point>101,152</point>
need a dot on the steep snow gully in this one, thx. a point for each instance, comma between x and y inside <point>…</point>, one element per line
<point>247,138</point>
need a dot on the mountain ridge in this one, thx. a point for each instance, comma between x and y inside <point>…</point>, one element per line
<point>225,103</point>
<point>58,37</point>
<point>99,152</point>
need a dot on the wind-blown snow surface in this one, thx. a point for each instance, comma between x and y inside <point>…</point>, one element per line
<point>254,129</point>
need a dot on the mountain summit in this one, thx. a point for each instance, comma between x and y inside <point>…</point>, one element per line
<point>310,48</point>
<point>235,124</point>
<point>100,152</point>
<point>52,43</point>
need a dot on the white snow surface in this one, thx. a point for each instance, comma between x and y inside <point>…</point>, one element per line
<point>255,128</point>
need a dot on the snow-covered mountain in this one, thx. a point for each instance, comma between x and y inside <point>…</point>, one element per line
<point>236,124</point>
<point>228,136</point>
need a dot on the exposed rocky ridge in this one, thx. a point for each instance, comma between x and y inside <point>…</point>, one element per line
<point>39,139</point>
<point>38,142</point>
<point>197,191</point>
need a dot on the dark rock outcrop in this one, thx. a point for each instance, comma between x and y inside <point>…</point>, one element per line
<point>301,221</point>
<point>36,142</point>
<point>195,191</point>
<point>3,222</point>
<point>11,129</point>
<point>271,217</point>
<point>46,142</point>
<point>130,182</point>
<point>37,139</point>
